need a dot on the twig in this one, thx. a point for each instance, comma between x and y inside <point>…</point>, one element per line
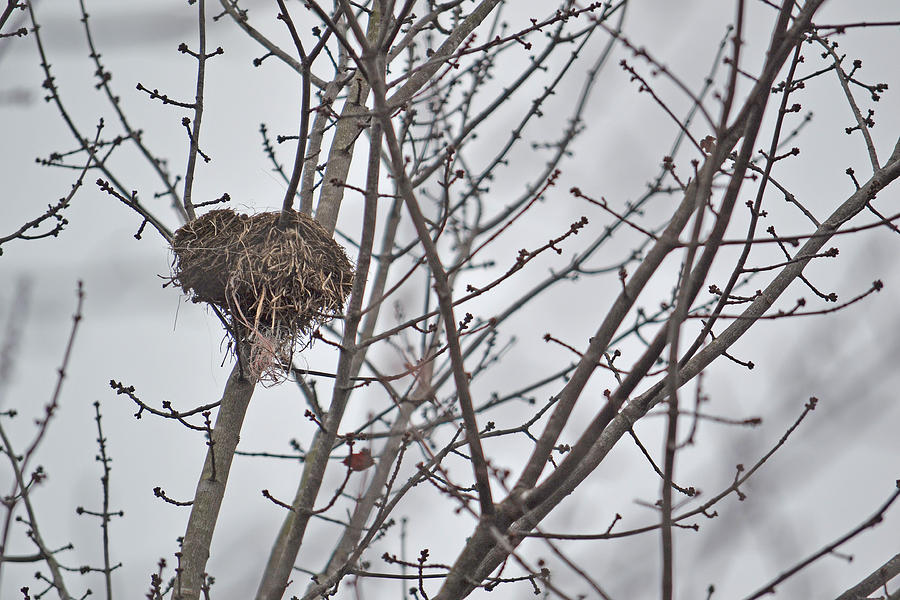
<point>872,521</point>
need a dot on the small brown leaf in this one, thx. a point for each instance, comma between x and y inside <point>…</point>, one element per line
<point>359,461</point>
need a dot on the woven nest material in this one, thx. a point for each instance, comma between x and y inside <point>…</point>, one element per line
<point>276,286</point>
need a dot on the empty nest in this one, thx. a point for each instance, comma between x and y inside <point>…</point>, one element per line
<point>274,286</point>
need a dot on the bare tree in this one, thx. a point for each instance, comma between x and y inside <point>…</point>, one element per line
<point>473,199</point>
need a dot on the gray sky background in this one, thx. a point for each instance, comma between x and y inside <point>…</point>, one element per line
<point>832,475</point>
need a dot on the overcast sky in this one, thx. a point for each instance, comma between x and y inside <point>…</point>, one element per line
<point>830,477</point>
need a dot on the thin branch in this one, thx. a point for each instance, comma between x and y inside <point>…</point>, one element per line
<point>284,552</point>
<point>874,520</point>
<point>445,299</point>
<point>861,123</point>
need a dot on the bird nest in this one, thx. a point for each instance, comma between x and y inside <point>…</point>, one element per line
<point>273,285</point>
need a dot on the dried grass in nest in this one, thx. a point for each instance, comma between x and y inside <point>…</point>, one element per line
<point>275,285</point>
